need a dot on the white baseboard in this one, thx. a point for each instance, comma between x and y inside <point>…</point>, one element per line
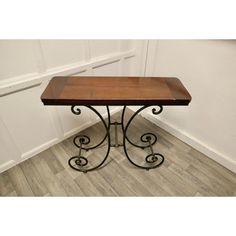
<point>38,149</point>
<point>193,142</point>
<point>78,129</point>
<point>7,165</point>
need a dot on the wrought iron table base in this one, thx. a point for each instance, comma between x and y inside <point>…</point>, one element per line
<point>152,160</point>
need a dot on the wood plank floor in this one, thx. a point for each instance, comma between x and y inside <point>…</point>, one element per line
<point>185,171</point>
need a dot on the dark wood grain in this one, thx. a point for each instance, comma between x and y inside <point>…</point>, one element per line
<point>115,91</point>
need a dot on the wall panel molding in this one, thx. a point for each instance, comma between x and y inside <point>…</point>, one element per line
<point>50,125</point>
<point>20,83</point>
<point>151,58</point>
<point>40,60</point>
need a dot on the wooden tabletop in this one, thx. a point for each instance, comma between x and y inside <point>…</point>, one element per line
<point>115,91</point>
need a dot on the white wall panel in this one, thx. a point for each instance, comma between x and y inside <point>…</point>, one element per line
<point>126,45</point>
<point>17,58</point>
<point>9,152</point>
<point>138,64</point>
<point>27,119</point>
<point>103,47</point>
<point>127,67</point>
<point>70,121</point>
<point>107,69</point>
<point>63,52</point>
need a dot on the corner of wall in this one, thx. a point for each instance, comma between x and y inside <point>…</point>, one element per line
<point>193,142</point>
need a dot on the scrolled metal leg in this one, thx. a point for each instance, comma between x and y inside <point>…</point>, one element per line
<point>142,137</point>
<point>153,159</point>
<point>80,162</point>
<point>77,111</point>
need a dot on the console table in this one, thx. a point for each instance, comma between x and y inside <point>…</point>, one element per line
<point>109,91</point>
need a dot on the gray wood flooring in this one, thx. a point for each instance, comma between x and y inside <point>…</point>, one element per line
<point>185,172</point>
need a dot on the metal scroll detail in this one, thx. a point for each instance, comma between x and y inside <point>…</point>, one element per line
<point>80,162</point>
<point>75,110</point>
<point>153,159</point>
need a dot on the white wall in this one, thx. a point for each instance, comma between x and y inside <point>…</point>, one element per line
<point>26,126</point>
<point>208,70</point>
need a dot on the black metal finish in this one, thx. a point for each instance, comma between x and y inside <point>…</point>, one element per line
<point>152,160</point>
<point>80,162</point>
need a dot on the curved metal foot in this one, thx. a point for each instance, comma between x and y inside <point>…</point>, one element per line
<point>80,162</point>
<point>153,159</point>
